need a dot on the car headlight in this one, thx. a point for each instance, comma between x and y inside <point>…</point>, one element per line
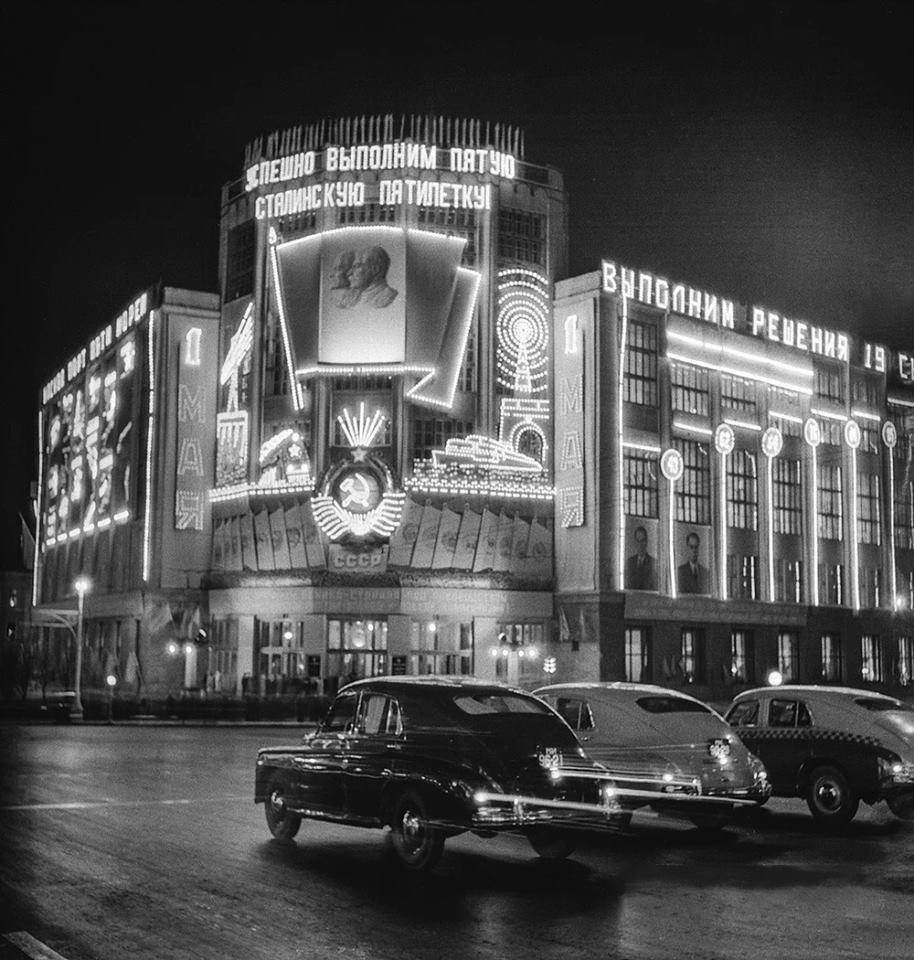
<point>892,767</point>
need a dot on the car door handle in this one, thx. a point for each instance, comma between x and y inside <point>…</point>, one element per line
<point>394,746</point>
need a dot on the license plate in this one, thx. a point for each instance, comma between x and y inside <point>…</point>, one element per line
<point>550,758</point>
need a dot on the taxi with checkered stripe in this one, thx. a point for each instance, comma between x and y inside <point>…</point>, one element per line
<point>832,746</point>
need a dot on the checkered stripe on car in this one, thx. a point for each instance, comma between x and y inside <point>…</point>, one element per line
<point>808,733</point>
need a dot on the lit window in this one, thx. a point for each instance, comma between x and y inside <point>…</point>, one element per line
<point>831,584</point>
<point>868,516</point>
<point>741,656</point>
<point>737,393</point>
<point>871,659</point>
<point>787,491</point>
<point>637,654</point>
<point>693,655</point>
<point>742,577</point>
<point>789,655</point>
<point>788,580</point>
<point>690,389</point>
<point>831,656</point>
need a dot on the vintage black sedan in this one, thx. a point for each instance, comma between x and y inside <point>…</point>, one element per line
<point>431,757</point>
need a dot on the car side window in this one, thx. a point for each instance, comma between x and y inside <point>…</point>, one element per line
<point>576,713</point>
<point>341,714</point>
<point>782,713</point>
<point>744,714</point>
<point>379,714</point>
<point>804,717</point>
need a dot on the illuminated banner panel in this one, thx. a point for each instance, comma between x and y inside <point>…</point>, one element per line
<point>379,297</point>
<point>232,438</point>
<point>89,458</point>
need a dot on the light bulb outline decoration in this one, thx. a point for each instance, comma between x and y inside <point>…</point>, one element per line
<point>357,500</point>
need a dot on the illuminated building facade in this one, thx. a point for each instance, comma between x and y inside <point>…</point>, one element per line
<point>734,491</point>
<point>383,490</point>
<point>125,465</point>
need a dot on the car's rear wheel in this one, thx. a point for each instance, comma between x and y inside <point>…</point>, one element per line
<point>282,822</point>
<point>417,843</point>
<point>551,844</point>
<point>829,796</point>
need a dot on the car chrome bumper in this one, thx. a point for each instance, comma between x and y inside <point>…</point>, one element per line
<point>514,810</point>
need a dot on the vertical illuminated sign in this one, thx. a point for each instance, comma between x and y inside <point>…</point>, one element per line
<point>772,442</point>
<point>620,567</point>
<point>569,472</point>
<point>194,407</point>
<point>672,467</point>
<point>150,437</point>
<point>812,435</point>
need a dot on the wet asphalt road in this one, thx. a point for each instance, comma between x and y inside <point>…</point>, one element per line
<point>143,842</point>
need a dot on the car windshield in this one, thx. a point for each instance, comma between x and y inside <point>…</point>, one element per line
<point>493,704</point>
<point>661,704</point>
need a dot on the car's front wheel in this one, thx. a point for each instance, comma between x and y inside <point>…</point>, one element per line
<point>416,842</point>
<point>282,822</point>
<point>829,796</point>
<point>551,844</point>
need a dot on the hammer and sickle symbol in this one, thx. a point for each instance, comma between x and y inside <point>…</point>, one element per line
<point>356,490</point>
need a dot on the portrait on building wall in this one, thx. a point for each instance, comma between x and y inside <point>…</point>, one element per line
<point>381,295</point>
<point>641,554</point>
<point>692,571</point>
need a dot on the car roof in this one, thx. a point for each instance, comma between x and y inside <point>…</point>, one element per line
<point>811,689</point>
<point>428,684</point>
<point>615,686</point>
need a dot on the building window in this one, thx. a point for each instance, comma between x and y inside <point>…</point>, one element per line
<point>787,496</point>
<point>904,510</point>
<point>281,656</point>
<point>788,581</point>
<point>641,486</point>
<point>869,437</point>
<point>223,656</point>
<point>640,385</point>
<point>441,647</point>
<point>432,434</point>
<point>830,432</point>
<point>355,648</point>
<point>693,492</point>
<point>865,392</point>
<point>871,659</point>
<point>277,372</point>
<point>737,393</point>
<point>741,656</point>
<point>742,577</point>
<point>831,584</point>
<point>789,426</point>
<point>742,490</point>
<point>829,385</point>
<point>690,389</point>
<point>831,657</point>
<point>521,236</point>
<point>637,654</point>
<point>905,661</point>
<point>789,655</point>
<point>525,641</point>
<point>830,514</point>
<point>868,517</point>
<point>693,655</point>
<point>239,261</point>
<point>870,587</point>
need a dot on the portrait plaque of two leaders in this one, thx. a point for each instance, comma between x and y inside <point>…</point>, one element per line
<point>692,576</point>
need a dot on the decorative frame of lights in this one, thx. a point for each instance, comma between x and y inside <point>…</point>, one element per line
<point>672,467</point>
<point>852,437</point>
<point>724,441</point>
<point>813,437</point>
<point>890,438</point>
<point>772,444</point>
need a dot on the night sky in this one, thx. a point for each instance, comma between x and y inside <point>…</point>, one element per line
<point>763,151</point>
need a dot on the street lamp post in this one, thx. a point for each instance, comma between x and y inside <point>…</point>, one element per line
<point>83,585</point>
